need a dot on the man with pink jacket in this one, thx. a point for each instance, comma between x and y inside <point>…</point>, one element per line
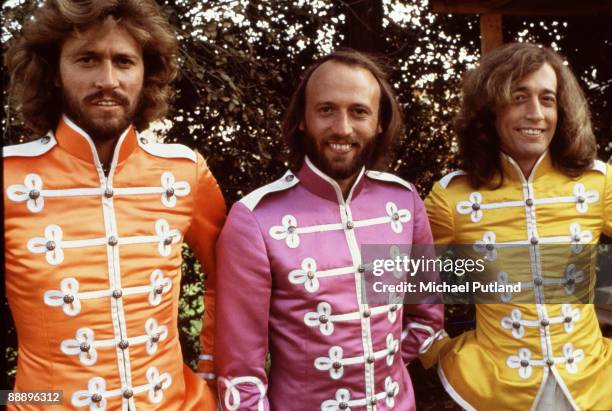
<point>291,264</point>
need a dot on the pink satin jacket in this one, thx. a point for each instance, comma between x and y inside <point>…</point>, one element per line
<point>290,280</point>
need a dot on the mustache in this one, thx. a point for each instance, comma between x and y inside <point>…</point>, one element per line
<point>105,95</point>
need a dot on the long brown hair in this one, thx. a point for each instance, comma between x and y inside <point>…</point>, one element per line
<point>389,118</point>
<point>573,147</point>
<point>33,58</point>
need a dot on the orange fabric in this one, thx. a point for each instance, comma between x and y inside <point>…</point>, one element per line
<point>86,220</point>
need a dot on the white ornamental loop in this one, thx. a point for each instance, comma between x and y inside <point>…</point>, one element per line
<point>157,383</point>
<point>391,389</point>
<point>95,396</point>
<point>50,245</point>
<point>66,297</point>
<point>167,237</point>
<point>342,402</point>
<point>287,231</point>
<point>392,313</point>
<point>430,340</point>
<point>398,217</point>
<point>487,246</point>
<point>579,237</point>
<point>394,253</point>
<point>159,285</point>
<point>322,318</point>
<point>584,198</point>
<point>334,363</point>
<point>522,361</point>
<point>30,192</point>
<point>231,398</point>
<point>473,207</point>
<point>571,278</point>
<point>392,348</point>
<point>307,275</point>
<point>569,317</point>
<point>572,357</point>
<point>155,333</point>
<point>503,280</point>
<point>514,322</point>
<point>172,189</point>
<point>83,345</point>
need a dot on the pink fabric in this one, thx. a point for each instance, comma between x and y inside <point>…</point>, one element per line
<point>260,309</point>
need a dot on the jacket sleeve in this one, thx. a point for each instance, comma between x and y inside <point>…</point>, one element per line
<point>607,196</point>
<point>245,284</point>
<point>207,220</point>
<point>440,215</point>
<point>422,323</point>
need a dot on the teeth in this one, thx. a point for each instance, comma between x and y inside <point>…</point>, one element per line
<point>106,103</point>
<point>341,147</point>
<point>531,131</point>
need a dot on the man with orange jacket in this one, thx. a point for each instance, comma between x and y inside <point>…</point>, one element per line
<point>95,213</point>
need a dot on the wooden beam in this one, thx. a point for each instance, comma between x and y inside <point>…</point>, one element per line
<point>525,7</point>
<point>491,35</point>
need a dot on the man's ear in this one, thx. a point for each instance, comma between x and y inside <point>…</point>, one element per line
<point>379,129</point>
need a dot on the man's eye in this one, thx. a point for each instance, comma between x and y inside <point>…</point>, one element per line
<point>86,60</point>
<point>549,99</point>
<point>325,109</point>
<point>518,98</point>
<point>125,62</point>
<point>360,112</point>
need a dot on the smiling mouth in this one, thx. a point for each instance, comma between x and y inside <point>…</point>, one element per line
<point>106,103</point>
<point>341,147</point>
<point>531,131</point>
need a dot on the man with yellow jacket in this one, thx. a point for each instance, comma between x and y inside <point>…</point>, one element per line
<point>530,180</point>
<point>95,213</point>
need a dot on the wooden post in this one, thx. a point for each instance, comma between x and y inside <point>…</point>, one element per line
<point>491,35</point>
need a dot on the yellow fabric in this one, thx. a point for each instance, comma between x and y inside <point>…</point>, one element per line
<point>43,328</point>
<point>474,366</point>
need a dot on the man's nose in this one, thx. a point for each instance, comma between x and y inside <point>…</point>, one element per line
<point>534,109</point>
<point>342,124</point>
<point>107,76</point>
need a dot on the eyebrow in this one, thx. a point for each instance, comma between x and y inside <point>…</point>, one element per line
<point>546,90</point>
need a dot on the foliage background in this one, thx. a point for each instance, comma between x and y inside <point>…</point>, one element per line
<point>240,60</point>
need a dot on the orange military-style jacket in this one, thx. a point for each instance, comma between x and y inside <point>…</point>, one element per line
<point>93,269</point>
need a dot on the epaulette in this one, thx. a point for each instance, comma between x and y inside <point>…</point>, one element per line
<point>600,166</point>
<point>388,177</point>
<point>33,148</point>
<point>287,181</point>
<point>445,181</point>
<point>166,150</point>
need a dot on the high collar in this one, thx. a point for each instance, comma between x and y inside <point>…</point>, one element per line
<point>77,142</point>
<point>512,171</point>
<point>322,185</point>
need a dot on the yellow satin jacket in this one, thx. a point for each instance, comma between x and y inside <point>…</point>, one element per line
<point>521,341</point>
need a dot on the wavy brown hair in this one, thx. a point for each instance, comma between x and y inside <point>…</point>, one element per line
<point>33,58</point>
<point>573,147</point>
<point>389,114</point>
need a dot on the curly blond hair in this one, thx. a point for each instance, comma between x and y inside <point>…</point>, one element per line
<point>33,58</point>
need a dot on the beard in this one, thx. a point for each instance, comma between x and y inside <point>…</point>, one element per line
<point>338,169</point>
<point>104,128</point>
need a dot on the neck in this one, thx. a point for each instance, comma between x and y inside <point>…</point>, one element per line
<point>105,151</point>
<point>526,167</point>
<point>346,184</point>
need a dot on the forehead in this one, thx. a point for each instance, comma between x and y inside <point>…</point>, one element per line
<point>337,82</point>
<point>542,79</point>
<point>107,36</point>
